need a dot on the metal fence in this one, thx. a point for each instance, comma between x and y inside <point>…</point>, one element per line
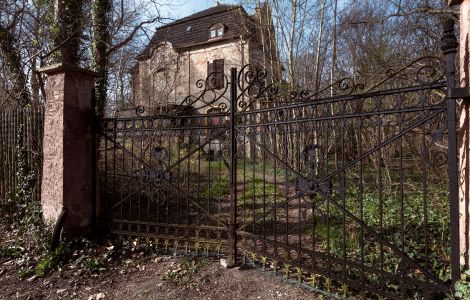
<point>21,129</point>
<point>351,189</point>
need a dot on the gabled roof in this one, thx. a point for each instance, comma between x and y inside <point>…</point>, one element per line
<point>234,17</point>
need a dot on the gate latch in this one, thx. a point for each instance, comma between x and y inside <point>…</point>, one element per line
<point>459,93</point>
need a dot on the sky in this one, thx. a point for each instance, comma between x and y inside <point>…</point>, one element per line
<point>183,8</point>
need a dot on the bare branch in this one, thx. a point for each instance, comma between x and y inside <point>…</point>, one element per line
<point>132,34</point>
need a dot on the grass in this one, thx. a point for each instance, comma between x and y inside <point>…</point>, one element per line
<point>219,187</point>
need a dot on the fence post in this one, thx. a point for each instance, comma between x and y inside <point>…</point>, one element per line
<point>94,161</point>
<point>67,181</point>
<point>233,171</point>
<point>463,142</point>
<point>449,47</point>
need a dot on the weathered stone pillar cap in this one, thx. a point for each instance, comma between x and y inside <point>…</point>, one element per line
<point>63,67</point>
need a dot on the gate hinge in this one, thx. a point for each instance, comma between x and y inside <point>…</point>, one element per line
<point>459,93</point>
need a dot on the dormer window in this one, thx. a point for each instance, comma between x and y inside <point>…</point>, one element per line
<point>216,30</point>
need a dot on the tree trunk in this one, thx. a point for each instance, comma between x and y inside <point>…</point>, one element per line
<point>101,9</point>
<point>69,18</point>
<point>10,55</point>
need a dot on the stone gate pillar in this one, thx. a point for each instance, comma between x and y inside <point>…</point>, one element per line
<point>67,176</point>
<point>464,131</point>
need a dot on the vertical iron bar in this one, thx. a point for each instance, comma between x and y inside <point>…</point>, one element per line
<point>264,132</point>
<point>342,179</point>
<point>104,198</point>
<point>402,197</point>
<point>449,48</point>
<point>378,102</point>
<point>361,200</point>
<point>233,170</point>
<point>286,178</point>
<point>94,152</point>
<point>243,183</point>
<point>424,182</point>
<point>253,173</point>
<point>162,168</point>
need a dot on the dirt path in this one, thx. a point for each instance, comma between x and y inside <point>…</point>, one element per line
<point>134,274</point>
<point>153,277</point>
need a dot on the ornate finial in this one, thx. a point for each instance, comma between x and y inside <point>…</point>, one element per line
<point>449,41</point>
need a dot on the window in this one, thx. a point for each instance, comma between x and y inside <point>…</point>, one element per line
<point>213,34</point>
<point>215,75</point>
<point>216,30</point>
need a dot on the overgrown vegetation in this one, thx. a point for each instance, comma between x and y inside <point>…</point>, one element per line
<point>28,237</point>
<point>462,287</point>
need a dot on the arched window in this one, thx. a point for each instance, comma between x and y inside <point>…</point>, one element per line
<point>216,30</point>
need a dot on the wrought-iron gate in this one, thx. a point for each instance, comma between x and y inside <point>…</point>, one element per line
<point>346,188</point>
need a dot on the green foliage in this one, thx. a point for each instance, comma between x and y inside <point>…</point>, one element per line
<point>94,264</point>
<point>217,188</point>
<point>23,213</point>
<point>52,260</point>
<point>462,287</point>
<point>10,252</point>
<point>27,238</point>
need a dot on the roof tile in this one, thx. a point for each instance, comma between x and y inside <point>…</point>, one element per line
<point>235,19</point>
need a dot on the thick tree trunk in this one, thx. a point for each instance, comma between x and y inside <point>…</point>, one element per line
<point>69,18</point>
<point>101,9</point>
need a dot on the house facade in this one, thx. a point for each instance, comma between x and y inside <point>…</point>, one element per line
<point>197,52</point>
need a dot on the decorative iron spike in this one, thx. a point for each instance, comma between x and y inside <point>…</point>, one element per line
<point>313,279</point>
<point>176,246</point>
<point>299,274</point>
<point>274,266</point>
<point>253,257</point>
<point>167,241</point>
<point>328,283</point>
<point>344,288</point>
<point>263,262</point>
